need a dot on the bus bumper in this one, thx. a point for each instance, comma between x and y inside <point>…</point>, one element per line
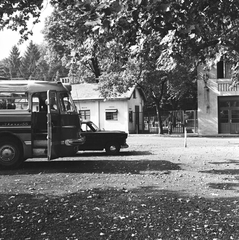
<point>74,142</point>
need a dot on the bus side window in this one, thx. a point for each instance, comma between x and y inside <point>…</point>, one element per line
<point>7,103</point>
<point>14,100</point>
<point>39,102</point>
<point>35,104</point>
<point>3,104</point>
<point>11,103</point>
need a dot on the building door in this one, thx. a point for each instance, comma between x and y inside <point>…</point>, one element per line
<point>136,119</point>
<point>228,117</point>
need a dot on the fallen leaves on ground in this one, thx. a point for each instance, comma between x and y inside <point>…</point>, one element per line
<point>118,214</point>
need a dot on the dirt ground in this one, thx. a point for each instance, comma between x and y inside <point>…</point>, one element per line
<point>160,188</point>
<point>205,167</point>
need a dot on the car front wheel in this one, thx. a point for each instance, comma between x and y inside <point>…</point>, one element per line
<point>112,148</point>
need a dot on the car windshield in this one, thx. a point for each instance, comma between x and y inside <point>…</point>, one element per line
<point>94,126</point>
<point>89,127</point>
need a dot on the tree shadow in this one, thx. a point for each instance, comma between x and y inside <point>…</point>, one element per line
<point>93,166</point>
<point>230,161</point>
<point>224,186</point>
<point>222,172</point>
<point>104,154</point>
<point>84,213</point>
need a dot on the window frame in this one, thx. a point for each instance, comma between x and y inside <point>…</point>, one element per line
<point>111,114</point>
<point>85,115</point>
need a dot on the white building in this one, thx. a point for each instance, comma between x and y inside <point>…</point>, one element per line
<point>124,112</point>
<point>218,101</point>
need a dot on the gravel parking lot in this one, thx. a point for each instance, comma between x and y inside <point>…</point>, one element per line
<point>207,167</point>
<point>155,189</point>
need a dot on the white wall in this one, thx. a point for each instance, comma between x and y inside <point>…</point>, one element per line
<point>93,106</point>
<point>208,102</point>
<point>122,122</point>
<point>207,108</point>
<point>138,101</point>
<point>124,106</point>
<point>97,113</point>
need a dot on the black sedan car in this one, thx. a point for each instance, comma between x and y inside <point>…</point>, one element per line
<point>97,139</point>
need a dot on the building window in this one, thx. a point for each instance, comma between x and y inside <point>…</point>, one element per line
<point>134,94</point>
<point>85,114</point>
<point>224,69</point>
<point>111,114</point>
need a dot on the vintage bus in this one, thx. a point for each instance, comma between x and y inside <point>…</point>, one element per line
<point>38,119</point>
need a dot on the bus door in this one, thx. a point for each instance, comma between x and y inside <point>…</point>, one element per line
<point>53,126</point>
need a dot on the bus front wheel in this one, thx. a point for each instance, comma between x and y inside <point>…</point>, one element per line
<point>10,153</point>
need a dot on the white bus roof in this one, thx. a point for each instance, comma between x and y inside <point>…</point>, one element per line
<point>31,86</point>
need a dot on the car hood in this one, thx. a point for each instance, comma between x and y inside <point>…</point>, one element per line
<point>112,131</point>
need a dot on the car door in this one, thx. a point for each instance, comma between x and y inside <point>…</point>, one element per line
<point>93,139</point>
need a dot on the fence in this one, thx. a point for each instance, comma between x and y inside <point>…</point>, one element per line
<point>178,120</point>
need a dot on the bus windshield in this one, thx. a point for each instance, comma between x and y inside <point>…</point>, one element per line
<point>66,103</point>
<point>61,101</point>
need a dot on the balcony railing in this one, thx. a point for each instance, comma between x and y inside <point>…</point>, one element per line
<point>226,86</point>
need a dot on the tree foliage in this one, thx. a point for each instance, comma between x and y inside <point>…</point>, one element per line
<point>118,43</point>
<point>37,63</point>
<point>12,64</point>
<point>30,61</point>
<point>202,28</point>
<point>15,14</point>
<point>156,43</point>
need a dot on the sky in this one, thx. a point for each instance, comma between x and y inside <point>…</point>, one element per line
<point>10,38</point>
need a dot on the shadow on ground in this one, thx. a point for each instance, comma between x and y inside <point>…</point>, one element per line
<point>222,171</point>
<point>116,214</point>
<point>230,161</point>
<point>224,186</point>
<point>95,166</point>
<point>103,153</point>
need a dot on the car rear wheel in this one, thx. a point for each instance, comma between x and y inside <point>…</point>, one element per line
<point>112,148</point>
<point>10,153</point>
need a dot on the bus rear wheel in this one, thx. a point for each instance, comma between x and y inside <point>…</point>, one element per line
<point>10,153</point>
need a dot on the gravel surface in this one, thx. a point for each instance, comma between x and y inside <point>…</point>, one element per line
<point>155,189</point>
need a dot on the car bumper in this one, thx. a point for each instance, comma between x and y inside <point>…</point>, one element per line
<point>124,145</point>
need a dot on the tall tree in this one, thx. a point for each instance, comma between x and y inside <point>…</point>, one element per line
<point>112,47</point>
<point>73,41</point>
<point>200,27</point>
<point>11,65</point>
<point>3,70</point>
<point>29,63</point>
<point>48,66</point>
<point>199,30</point>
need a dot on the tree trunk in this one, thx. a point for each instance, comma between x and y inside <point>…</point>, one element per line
<point>158,110</point>
<point>157,101</point>
<point>95,67</point>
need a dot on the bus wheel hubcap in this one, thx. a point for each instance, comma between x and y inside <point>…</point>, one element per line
<point>7,153</point>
